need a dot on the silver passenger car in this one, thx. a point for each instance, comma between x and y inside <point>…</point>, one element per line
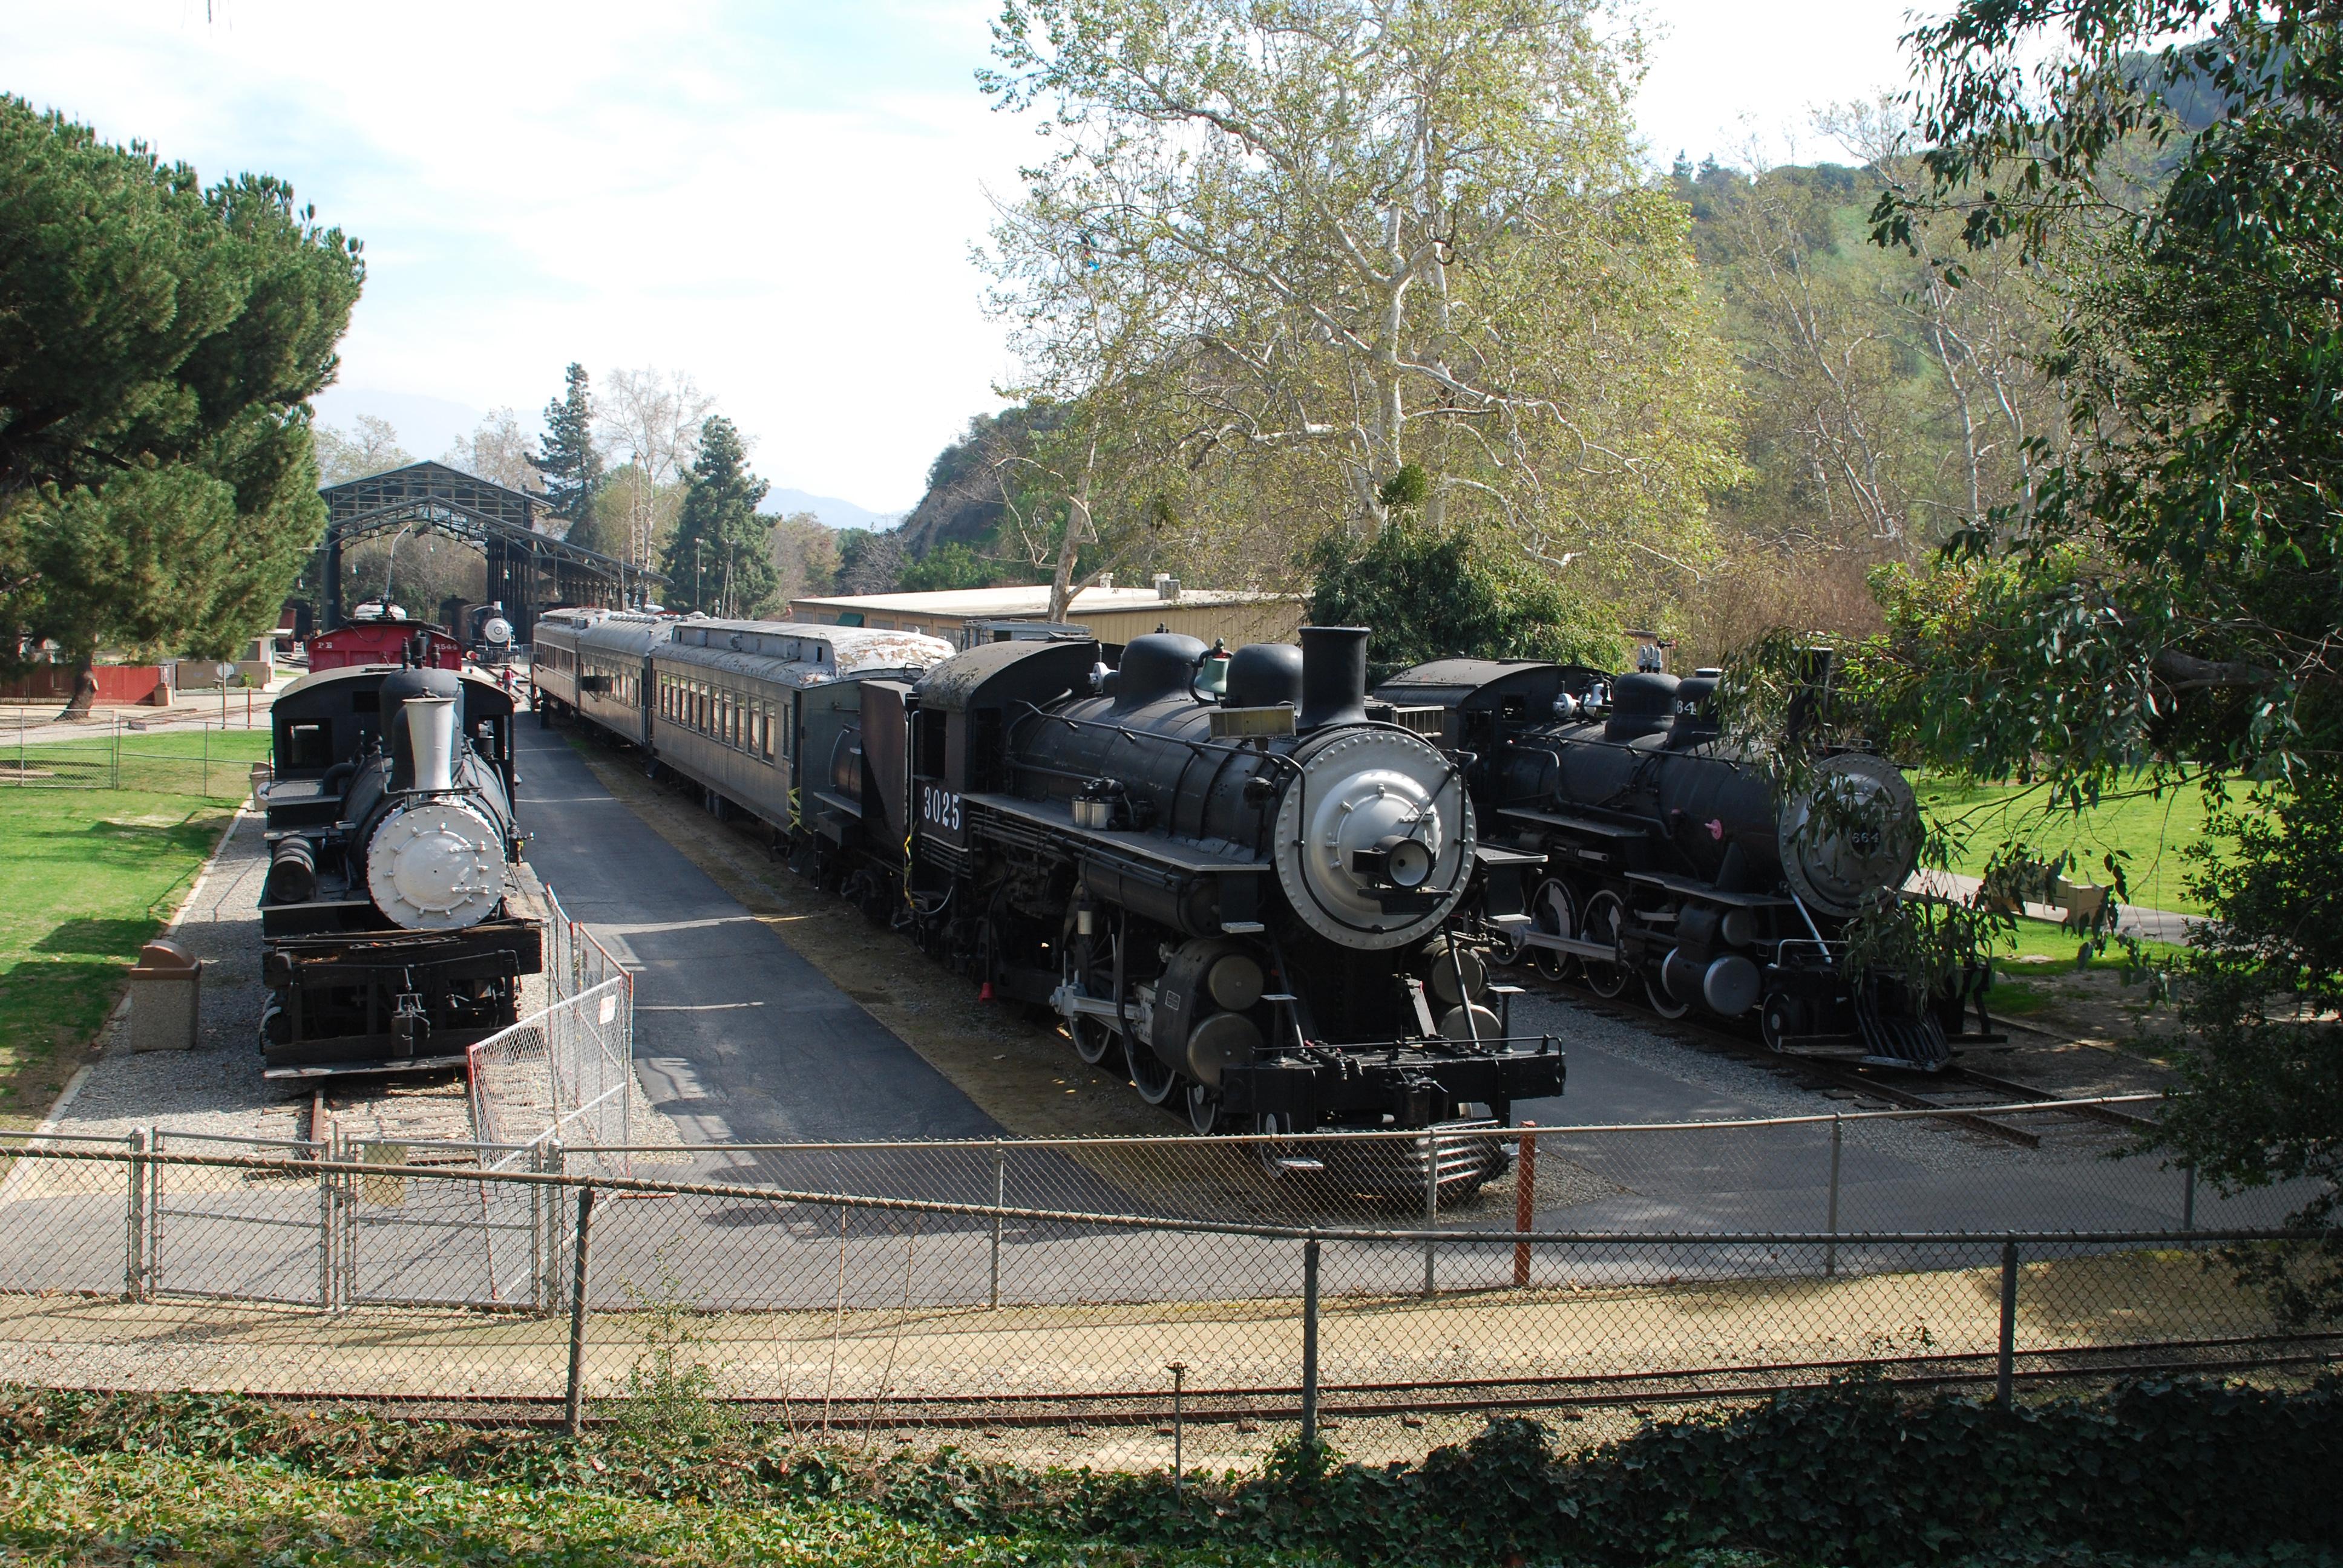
<point>755,712</point>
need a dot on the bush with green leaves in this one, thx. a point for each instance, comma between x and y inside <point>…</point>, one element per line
<point>1858,1473</point>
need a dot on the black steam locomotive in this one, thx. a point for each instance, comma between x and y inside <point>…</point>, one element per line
<point>390,941</point>
<point>1243,897</point>
<point>1631,844</point>
<point>1230,876</point>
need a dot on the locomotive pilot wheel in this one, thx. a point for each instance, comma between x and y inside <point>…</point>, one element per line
<point>1663,1001</point>
<point>1204,1108</point>
<point>1605,916</point>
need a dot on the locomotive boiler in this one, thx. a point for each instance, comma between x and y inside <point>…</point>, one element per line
<point>1645,851</point>
<point>389,939</point>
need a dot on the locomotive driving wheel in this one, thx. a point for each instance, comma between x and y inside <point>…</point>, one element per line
<point>1553,913</point>
<point>1089,968</point>
<point>1150,1077</point>
<point>1604,917</point>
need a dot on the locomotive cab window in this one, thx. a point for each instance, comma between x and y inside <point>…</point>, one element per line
<point>310,745</point>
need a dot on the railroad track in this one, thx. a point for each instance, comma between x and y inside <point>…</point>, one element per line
<point>1952,1091</point>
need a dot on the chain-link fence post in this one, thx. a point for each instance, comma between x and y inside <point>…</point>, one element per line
<point>1830,1248</point>
<point>999,1202</point>
<point>1178,1370</point>
<point>325,1228</point>
<point>574,1402</point>
<point>114,733</point>
<point>1309,1346</point>
<point>134,1254</point>
<point>207,727</point>
<point>2188,1197</point>
<point>554,1160</point>
<point>1524,1200</point>
<point>1431,1207</point>
<point>2006,1366</point>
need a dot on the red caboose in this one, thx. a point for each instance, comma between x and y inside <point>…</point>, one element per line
<point>384,641</point>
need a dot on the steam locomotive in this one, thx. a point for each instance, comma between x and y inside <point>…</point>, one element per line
<point>390,941</point>
<point>1230,876</point>
<point>1629,843</point>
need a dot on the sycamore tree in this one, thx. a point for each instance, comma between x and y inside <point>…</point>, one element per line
<point>159,340</point>
<point>719,559</point>
<point>370,446</point>
<point>1330,242</point>
<point>650,422</point>
<point>2165,593</point>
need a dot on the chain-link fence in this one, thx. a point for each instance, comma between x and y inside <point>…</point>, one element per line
<point>564,1074</point>
<point>372,1271</point>
<point>208,756</point>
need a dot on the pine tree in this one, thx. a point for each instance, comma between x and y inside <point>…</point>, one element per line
<point>720,561</point>
<point>566,454</point>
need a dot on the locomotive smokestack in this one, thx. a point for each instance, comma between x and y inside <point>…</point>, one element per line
<point>1333,677</point>
<point>431,741</point>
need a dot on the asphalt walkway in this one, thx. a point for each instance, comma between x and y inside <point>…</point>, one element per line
<point>737,1038</point>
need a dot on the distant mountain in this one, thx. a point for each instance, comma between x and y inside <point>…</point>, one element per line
<point>426,426</point>
<point>833,512</point>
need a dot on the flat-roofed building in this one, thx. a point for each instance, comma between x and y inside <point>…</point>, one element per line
<point>966,617</point>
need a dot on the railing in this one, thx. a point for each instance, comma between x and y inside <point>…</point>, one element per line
<point>464,1289</point>
<point>565,1073</point>
<point>164,755</point>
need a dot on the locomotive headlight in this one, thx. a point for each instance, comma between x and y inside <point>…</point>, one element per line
<point>1394,861</point>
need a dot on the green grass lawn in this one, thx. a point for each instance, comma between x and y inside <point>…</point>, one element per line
<point>60,1509</point>
<point>86,876</point>
<point>2152,831</point>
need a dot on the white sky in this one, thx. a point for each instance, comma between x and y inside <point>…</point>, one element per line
<point>779,198</point>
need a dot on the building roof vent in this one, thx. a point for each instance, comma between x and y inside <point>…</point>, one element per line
<point>1167,587</point>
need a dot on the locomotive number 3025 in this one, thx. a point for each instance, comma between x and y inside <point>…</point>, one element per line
<point>940,808</point>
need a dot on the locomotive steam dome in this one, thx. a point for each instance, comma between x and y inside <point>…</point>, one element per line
<point>1856,831</point>
<point>1374,835</point>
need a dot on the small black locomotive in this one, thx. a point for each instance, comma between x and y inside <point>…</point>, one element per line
<point>390,939</point>
<point>1637,848</point>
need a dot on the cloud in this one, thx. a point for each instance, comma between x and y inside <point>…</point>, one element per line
<point>779,200</point>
